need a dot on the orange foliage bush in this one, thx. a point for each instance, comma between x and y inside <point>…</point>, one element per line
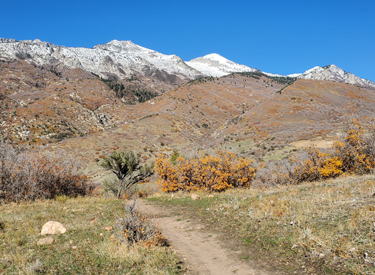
<point>353,153</point>
<point>217,172</point>
<point>316,166</point>
<point>357,148</point>
<point>29,176</point>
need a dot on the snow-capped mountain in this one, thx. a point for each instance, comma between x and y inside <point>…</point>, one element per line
<point>216,65</point>
<point>119,58</point>
<point>124,58</point>
<point>334,73</point>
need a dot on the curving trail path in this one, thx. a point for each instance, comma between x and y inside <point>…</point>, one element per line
<point>202,251</point>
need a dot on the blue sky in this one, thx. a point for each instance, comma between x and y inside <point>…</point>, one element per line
<point>282,36</point>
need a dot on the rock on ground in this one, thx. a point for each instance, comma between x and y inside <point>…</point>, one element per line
<point>52,228</point>
<point>195,197</point>
<point>43,241</point>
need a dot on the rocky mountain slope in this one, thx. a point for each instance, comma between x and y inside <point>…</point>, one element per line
<point>122,60</point>
<point>119,59</point>
<point>253,115</point>
<point>334,73</point>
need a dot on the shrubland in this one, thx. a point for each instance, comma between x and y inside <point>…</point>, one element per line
<point>308,208</point>
<point>352,153</point>
<point>314,210</point>
<point>36,188</point>
<point>28,176</point>
<point>324,227</point>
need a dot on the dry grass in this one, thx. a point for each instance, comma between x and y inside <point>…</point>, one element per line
<point>330,224</point>
<point>86,247</point>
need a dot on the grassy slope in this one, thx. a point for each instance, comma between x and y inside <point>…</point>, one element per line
<point>325,227</point>
<point>95,254</point>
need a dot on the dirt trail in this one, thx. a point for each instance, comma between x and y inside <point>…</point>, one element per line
<point>200,249</point>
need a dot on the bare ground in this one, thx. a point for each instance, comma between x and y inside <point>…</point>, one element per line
<point>201,249</point>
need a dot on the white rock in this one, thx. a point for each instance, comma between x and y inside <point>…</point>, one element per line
<point>52,228</point>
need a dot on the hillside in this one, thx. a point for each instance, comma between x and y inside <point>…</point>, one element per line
<point>92,111</point>
<point>249,114</point>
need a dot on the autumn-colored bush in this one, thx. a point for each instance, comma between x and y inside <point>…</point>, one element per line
<point>315,165</point>
<point>217,172</point>
<point>352,153</point>
<point>28,176</point>
<point>356,148</point>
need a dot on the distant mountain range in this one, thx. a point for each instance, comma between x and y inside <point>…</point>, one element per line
<point>124,59</point>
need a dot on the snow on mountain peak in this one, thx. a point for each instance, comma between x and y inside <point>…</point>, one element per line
<point>216,57</point>
<point>120,58</point>
<point>121,46</point>
<point>216,65</point>
<point>334,73</point>
<point>124,58</point>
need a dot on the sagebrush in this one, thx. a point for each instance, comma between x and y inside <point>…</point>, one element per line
<point>27,176</point>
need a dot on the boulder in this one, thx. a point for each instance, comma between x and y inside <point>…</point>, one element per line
<point>52,228</point>
<point>43,241</point>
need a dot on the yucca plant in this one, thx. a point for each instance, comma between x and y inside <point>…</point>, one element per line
<point>127,168</point>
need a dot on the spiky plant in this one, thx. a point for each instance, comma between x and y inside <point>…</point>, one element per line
<point>127,168</point>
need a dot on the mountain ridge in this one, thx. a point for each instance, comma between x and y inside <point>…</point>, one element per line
<point>123,59</point>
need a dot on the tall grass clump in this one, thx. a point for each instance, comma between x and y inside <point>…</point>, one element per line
<point>28,176</point>
<point>137,229</point>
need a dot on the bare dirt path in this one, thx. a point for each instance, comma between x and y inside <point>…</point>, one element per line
<point>200,249</point>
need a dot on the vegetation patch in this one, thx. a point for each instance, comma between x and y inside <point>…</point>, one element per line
<point>86,248</point>
<point>27,176</point>
<point>132,93</point>
<point>320,227</point>
<point>286,80</point>
<point>216,172</point>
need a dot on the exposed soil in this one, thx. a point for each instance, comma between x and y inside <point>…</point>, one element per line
<point>202,249</point>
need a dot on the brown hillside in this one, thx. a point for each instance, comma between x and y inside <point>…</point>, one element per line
<point>249,114</point>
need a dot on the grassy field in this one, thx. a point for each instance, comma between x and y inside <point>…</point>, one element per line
<point>314,228</point>
<point>86,247</point>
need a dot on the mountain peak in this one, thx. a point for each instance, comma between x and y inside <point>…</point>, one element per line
<point>334,73</point>
<point>129,58</point>
<point>214,64</point>
<point>120,42</point>
<point>215,57</point>
<point>120,46</point>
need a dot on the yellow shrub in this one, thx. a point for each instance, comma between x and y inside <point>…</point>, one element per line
<point>356,149</point>
<point>217,172</point>
<point>353,153</point>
